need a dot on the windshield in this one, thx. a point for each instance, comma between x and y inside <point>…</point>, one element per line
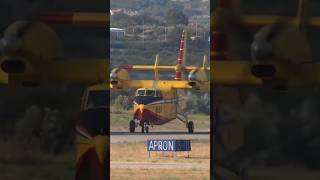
<point>150,93</point>
<point>140,92</point>
<point>98,99</point>
<point>146,99</point>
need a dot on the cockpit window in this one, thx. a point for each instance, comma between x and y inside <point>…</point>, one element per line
<point>140,92</point>
<point>98,99</point>
<point>148,98</point>
<point>151,93</point>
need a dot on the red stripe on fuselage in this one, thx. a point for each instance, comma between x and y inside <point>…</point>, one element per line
<point>150,117</point>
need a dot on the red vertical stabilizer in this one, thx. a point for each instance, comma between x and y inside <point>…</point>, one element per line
<point>181,56</point>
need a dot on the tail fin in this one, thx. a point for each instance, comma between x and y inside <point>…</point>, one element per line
<point>182,49</point>
<point>181,61</point>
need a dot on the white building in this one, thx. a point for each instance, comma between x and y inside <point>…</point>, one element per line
<point>117,33</point>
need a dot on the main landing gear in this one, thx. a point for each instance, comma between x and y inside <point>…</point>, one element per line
<point>144,128</point>
<point>189,124</point>
<point>190,127</point>
<point>132,126</point>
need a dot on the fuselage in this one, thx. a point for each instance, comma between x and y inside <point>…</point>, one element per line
<point>155,106</point>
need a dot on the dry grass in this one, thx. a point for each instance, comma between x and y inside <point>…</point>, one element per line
<point>172,174</point>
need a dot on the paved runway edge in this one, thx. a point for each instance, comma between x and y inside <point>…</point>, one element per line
<point>124,136</point>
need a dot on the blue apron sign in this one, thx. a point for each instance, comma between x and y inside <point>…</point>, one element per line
<point>168,145</point>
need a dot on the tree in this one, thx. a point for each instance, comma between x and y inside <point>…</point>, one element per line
<point>122,102</point>
<point>176,17</point>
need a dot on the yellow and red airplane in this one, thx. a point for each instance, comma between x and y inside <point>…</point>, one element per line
<point>156,101</point>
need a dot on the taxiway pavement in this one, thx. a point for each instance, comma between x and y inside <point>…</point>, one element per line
<point>125,136</point>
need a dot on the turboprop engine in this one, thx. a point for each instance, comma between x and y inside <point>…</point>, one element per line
<point>199,77</point>
<point>118,76</point>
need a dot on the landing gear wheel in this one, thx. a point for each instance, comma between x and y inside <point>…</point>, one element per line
<point>132,126</point>
<point>147,129</point>
<point>190,127</point>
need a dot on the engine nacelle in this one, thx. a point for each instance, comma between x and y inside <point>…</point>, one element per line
<point>273,76</point>
<point>27,47</point>
<point>13,66</point>
<point>31,40</point>
<point>198,78</point>
<point>263,70</point>
<point>117,76</point>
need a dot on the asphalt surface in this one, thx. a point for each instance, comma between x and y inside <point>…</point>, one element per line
<point>125,136</point>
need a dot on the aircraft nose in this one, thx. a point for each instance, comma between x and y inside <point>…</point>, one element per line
<point>141,108</point>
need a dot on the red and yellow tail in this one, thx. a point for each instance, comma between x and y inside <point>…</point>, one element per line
<point>181,61</point>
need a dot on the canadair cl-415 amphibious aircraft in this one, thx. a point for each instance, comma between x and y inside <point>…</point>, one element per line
<point>156,101</point>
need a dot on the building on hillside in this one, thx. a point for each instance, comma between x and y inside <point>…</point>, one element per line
<point>117,33</point>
